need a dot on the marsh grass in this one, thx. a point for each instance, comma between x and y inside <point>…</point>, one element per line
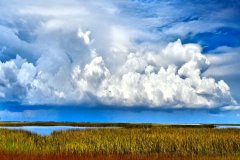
<point>125,141</point>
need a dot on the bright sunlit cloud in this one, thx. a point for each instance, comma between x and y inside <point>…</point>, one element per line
<point>116,53</point>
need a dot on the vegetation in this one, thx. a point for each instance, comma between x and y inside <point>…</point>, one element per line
<point>125,125</point>
<point>145,141</point>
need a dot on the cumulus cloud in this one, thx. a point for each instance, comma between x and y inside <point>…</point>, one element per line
<point>148,83</point>
<point>15,77</point>
<point>72,54</point>
<point>140,81</point>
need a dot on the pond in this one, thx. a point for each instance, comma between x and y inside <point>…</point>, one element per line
<point>47,130</point>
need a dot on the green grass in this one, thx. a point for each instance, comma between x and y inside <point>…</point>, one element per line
<point>119,141</point>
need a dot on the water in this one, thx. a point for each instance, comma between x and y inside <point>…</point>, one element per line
<point>47,130</point>
<point>222,126</point>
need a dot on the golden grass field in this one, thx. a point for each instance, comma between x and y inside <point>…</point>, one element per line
<point>123,143</point>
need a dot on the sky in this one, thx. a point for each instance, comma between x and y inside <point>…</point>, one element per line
<point>170,61</point>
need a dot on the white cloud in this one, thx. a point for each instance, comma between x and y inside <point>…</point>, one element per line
<point>139,81</point>
<point>233,107</point>
<point>148,83</point>
<point>26,73</point>
<point>15,76</point>
<point>85,36</point>
<point>75,51</point>
<point>224,62</point>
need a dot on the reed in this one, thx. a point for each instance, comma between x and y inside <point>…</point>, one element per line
<point>125,141</point>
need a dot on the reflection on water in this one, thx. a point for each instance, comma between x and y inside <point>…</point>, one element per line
<point>47,130</point>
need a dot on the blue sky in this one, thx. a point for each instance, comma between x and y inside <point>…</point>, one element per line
<point>166,61</point>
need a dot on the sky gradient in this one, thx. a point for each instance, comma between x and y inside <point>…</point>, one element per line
<point>167,61</point>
